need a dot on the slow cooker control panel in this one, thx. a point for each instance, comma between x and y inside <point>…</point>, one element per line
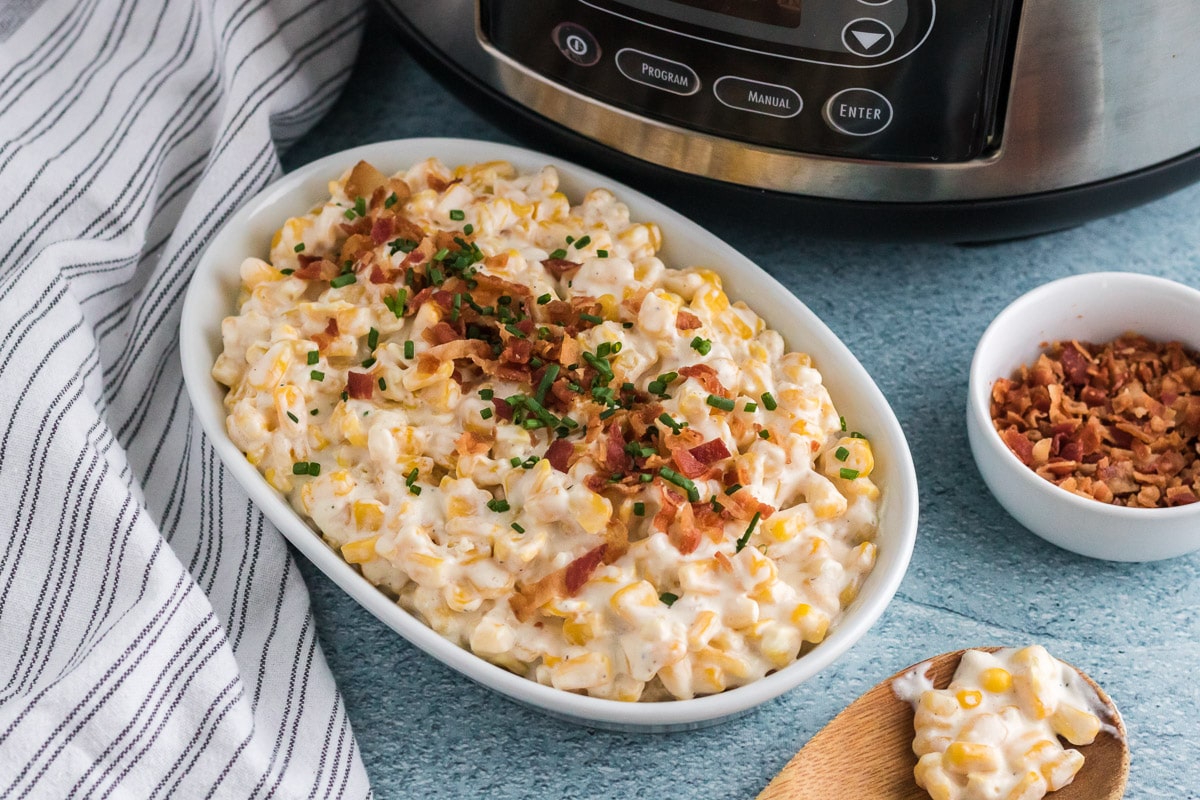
<point>899,80</point>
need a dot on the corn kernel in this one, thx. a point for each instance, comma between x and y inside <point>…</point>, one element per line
<point>360,551</point>
<point>1075,725</point>
<point>996,680</point>
<point>964,757</point>
<point>969,698</point>
<point>1032,787</point>
<point>368,515</point>
<point>932,778</point>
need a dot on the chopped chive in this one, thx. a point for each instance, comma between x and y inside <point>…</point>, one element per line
<point>856,435</point>
<point>410,349</point>
<point>298,248</point>
<point>457,214</point>
<point>764,434</point>
<point>391,200</point>
<point>345,396</point>
<point>317,375</point>
<point>733,489</point>
<point>749,530</point>
<point>368,363</point>
<point>668,474</point>
<point>617,347</point>
<point>314,468</point>
<point>842,422</point>
<point>292,417</point>
<point>517,528</point>
<point>583,242</point>
<point>515,461</point>
<point>435,275</point>
<point>343,280</point>
<point>559,253</point>
<point>668,599</point>
<point>382,385</point>
<point>372,339</point>
<point>543,299</point>
<point>751,407</point>
<point>468,229</point>
<point>547,379</point>
<point>665,418</point>
<point>645,477</point>
<point>592,318</point>
<point>769,403</point>
<point>639,509</point>
<point>602,253</point>
<point>722,403</point>
<point>848,474</point>
<point>530,462</point>
<point>313,357</point>
<point>701,346</point>
<point>499,506</point>
<point>841,454</point>
<point>626,324</point>
<point>414,489</point>
<point>314,412</point>
<point>456,307</point>
<point>288,271</point>
<point>717,507</point>
<point>515,331</point>
<point>486,394</point>
<point>656,387</point>
<point>608,412</point>
<point>349,214</point>
<point>570,239</point>
<point>486,413</point>
<point>600,365</point>
<point>360,206</point>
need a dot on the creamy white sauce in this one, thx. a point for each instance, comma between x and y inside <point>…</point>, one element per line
<point>994,733</point>
<point>398,499</point>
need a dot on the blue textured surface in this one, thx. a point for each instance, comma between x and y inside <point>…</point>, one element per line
<point>912,315</point>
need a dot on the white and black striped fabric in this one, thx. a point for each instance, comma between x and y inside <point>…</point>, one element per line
<point>156,640</point>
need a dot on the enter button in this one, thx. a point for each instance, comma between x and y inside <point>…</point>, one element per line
<point>858,112</point>
<point>758,97</point>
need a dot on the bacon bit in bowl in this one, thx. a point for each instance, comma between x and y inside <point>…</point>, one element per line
<point>1118,422</point>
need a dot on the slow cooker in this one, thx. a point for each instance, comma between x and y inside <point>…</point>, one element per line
<point>958,120</point>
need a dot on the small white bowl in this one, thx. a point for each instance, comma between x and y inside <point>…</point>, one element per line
<point>1095,307</point>
<point>212,295</point>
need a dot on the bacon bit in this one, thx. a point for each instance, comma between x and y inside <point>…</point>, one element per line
<point>441,333</point>
<point>710,452</point>
<point>1121,426</point>
<point>707,377</point>
<point>518,351</point>
<point>326,337</point>
<point>471,444</point>
<point>616,458</point>
<point>1021,447</point>
<point>421,253</point>
<point>473,349</point>
<point>558,267</point>
<point>363,180</point>
<point>581,569</point>
<point>683,532</point>
<point>670,502</point>
<point>316,269</point>
<point>687,463</point>
<point>687,321</point>
<point>742,504</point>
<point>503,410</point>
<point>381,230</point>
<point>724,561</point>
<point>558,453</point>
<point>400,188</point>
<point>360,385</point>
<point>355,247</point>
<point>378,275</point>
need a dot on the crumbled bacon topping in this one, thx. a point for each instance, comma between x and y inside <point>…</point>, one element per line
<point>1118,422</point>
<point>360,385</point>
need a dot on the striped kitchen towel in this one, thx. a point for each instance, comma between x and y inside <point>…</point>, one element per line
<point>156,640</point>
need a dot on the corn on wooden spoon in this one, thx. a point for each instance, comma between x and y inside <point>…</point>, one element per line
<point>866,751</point>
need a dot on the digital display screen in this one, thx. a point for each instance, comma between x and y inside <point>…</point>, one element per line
<point>783,13</point>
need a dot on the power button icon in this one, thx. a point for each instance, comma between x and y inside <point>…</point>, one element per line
<point>576,43</point>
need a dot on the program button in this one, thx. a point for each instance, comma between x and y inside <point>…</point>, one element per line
<point>658,72</point>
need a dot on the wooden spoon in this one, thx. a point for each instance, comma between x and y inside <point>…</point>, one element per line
<point>866,751</point>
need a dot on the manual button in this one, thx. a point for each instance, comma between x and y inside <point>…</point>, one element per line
<point>658,72</point>
<point>857,112</point>
<point>758,97</point>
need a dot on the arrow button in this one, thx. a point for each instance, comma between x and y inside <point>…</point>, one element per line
<point>867,37</point>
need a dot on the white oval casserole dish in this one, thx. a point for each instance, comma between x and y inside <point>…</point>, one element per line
<point>212,296</point>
